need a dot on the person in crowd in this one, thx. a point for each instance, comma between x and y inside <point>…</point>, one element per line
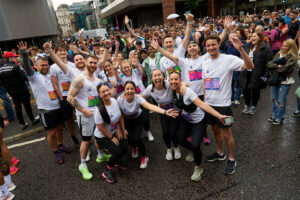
<point>280,79</point>
<point>275,36</point>
<point>293,27</point>
<point>10,115</point>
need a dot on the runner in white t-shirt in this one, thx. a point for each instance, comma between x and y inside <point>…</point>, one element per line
<point>46,99</point>
<point>217,72</point>
<point>61,84</point>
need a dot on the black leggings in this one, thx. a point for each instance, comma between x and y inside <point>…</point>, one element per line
<point>146,121</point>
<point>197,131</point>
<point>204,119</point>
<point>169,128</point>
<point>134,127</point>
<point>117,152</point>
<point>251,95</point>
<point>23,97</point>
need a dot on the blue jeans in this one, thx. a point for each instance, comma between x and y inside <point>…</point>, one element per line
<point>7,105</point>
<point>297,98</point>
<point>235,86</point>
<point>278,98</point>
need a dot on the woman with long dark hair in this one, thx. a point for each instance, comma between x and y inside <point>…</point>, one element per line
<point>250,80</point>
<point>110,132</point>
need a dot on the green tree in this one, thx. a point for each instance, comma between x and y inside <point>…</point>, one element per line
<point>197,7</point>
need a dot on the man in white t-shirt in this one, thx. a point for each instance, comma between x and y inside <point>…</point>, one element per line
<point>176,38</point>
<point>217,72</point>
<point>61,84</point>
<point>47,101</point>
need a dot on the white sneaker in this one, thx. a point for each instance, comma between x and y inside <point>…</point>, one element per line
<point>88,156</point>
<point>190,157</point>
<point>246,110</point>
<point>144,162</point>
<point>197,173</point>
<point>10,196</point>
<point>169,155</point>
<point>252,110</point>
<point>177,153</point>
<point>134,152</point>
<point>150,136</point>
<point>11,187</point>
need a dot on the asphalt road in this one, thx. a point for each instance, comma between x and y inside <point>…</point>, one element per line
<point>268,158</point>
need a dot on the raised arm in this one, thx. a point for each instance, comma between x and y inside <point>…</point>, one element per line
<point>227,23</point>
<point>82,41</point>
<point>105,54</point>
<point>26,61</point>
<point>117,75</point>
<point>188,30</point>
<point>164,52</point>
<point>248,64</point>
<point>135,62</point>
<point>48,48</point>
<point>129,28</point>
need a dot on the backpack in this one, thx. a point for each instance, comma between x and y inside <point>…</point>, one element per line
<point>279,33</point>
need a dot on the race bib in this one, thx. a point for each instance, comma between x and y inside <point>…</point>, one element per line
<point>175,68</point>
<point>65,86</point>
<point>195,75</point>
<point>93,101</point>
<point>187,117</point>
<point>138,90</point>
<point>114,126</point>
<point>212,84</point>
<point>167,106</point>
<point>52,95</point>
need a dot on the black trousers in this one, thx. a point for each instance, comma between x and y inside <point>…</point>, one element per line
<point>134,127</point>
<point>169,127</point>
<point>118,153</point>
<point>197,131</point>
<point>22,97</point>
<point>251,96</point>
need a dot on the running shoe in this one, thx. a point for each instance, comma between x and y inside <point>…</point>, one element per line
<point>150,136</point>
<point>10,196</point>
<point>109,176</point>
<point>236,103</point>
<point>121,165</point>
<point>86,175</point>
<point>24,126</point>
<point>11,187</point>
<point>13,170</point>
<point>215,156</point>
<point>169,155</point>
<point>296,114</point>
<point>197,173</point>
<point>144,162</point>
<point>58,157</point>
<point>35,121</point>
<point>231,165</point>
<point>15,161</point>
<point>252,110</point>
<point>206,140</point>
<point>177,153</point>
<point>246,110</point>
<point>276,122</point>
<point>189,158</point>
<point>63,149</point>
<point>271,119</point>
<point>134,153</point>
<point>102,159</point>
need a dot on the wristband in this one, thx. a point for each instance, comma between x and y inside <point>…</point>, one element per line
<point>165,113</point>
<point>189,23</point>
<point>48,50</point>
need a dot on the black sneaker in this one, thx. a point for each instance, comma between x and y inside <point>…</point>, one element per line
<point>24,126</point>
<point>215,156</point>
<point>271,119</point>
<point>109,176</point>
<point>62,149</point>
<point>296,114</point>
<point>58,157</point>
<point>231,165</point>
<point>35,121</point>
<point>276,122</point>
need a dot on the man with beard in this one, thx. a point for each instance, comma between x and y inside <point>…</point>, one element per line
<point>46,99</point>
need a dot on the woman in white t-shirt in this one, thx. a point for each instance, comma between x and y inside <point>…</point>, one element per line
<point>130,104</point>
<point>192,121</point>
<point>110,132</point>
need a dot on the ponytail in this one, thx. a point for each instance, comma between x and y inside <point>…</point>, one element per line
<point>103,111</point>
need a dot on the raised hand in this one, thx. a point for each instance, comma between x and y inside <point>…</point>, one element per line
<point>189,17</point>
<point>117,44</point>
<point>126,19</point>
<point>135,62</point>
<point>227,21</point>
<point>154,44</point>
<point>47,46</point>
<point>22,45</point>
<point>107,43</point>
<point>116,65</point>
<point>236,43</point>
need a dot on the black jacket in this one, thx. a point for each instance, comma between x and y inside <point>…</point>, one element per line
<point>251,79</point>
<point>12,78</point>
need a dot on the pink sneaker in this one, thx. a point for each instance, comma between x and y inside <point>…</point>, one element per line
<point>206,140</point>
<point>15,161</point>
<point>144,162</point>
<point>134,153</point>
<point>13,170</point>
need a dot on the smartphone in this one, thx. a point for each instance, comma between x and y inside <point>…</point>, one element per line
<point>188,12</point>
<point>228,121</point>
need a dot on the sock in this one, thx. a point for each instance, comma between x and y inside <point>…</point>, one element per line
<point>100,153</point>
<point>83,163</point>
<point>230,159</point>
<point>7,179</point>
<point>75,140</point>
<point>4,190</point>
<point>221,154</point>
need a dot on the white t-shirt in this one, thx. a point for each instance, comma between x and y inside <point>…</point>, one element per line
<point>133,109</point>
<point>163,97</point>
<point>114,114</point>
<point>137,79</point>
<point>188,98</point>
<point>218,78</point>
<point>167,65</point>
<point>73,72</point>
<point>44,94</point>
<point>152,64</point>
<point>193,70</point>
<point>63,81</point>
<point>178,42</point>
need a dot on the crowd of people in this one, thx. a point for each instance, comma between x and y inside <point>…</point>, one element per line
<point>190,73</point>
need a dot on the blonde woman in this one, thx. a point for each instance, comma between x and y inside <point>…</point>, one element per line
<point>280,78</point>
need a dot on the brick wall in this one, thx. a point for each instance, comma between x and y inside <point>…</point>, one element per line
<point>168,7</point>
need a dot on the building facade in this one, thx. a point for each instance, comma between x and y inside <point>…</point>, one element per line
<point>63,18</point>
<point>79,12</point>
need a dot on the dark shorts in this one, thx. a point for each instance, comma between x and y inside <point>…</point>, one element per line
<point>51,119</point>
<point>226,110</point>
<point>67,109</point>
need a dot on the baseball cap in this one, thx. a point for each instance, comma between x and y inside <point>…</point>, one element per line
<point>144,50</point>
<point>8,54</point>
<point>139,42</point>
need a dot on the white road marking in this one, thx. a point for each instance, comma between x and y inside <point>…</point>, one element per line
<point>25,143</point>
